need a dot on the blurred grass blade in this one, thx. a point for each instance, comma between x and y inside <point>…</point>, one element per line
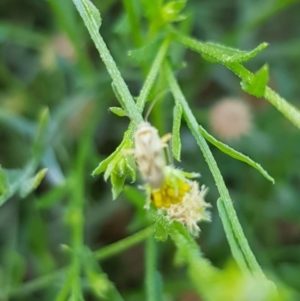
<point>234,246</point>
<point>148,51</point>
<point>176,142</point>
<point>234,154</point>
<point>19,181</point>
<point>21,35</point>
<point>152,283</point>
<point>40,140</point>
<point>55,195</point>
<point>32,183</point>
<point>97,280</point>
<point>4,186</point>
<point>171,11</point>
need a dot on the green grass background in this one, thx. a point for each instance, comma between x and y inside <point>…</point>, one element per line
<point>38,232</point>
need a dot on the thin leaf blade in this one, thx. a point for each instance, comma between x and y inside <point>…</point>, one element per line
<point>176,142</point>
<point>257,86</point>
<point>89,13</point>
<point>234,154</point>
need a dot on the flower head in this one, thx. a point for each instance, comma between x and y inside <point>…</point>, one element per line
<point>230,118</point>
<point>180,199</point>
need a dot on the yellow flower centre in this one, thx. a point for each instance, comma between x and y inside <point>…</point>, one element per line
<point>170,193</point>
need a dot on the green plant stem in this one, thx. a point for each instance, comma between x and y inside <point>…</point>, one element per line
<point>90,21</point>
<point>101,254</point>
<point>123,244</point>
<point>134,23</point>
<point>69,24</point>
<point>234,246</point>
<point>149,83</point>
<point>77,221</point>
<point>194,127</point>
<point>64,292</point>
<point>150,277</point>
<point>287,109</point>
<point>201,271</point>
<point>154,70</point>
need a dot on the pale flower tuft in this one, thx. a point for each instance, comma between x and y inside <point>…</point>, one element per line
<point>192,209</point>
<point>230,118</point>
<point>180,199</point>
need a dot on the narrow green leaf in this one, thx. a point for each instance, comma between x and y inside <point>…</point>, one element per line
<point>234,246</point>
<point>170,11</point>
<point>19,181</point>
<point>89,13</point>
<point>287,109</point>
<point>219,53</point>
<point>227,54</point>
<point>103,164</point>
<point>161,227</point>
<point>25,36</point>
<point>176,142</point>
<point>116,92</point>
<point>118,111</point>
<point>91,18</point>
<point>194,127</point>
<point>55,195</point>
<point>114,165</point>
<point>148,51</point>
<point>152,9</point>
<point>117,182</point>
<point>31,184</point>
<point>15,179</point>
<point>257,86</point>
<point>98,281</point>
<point>4,186</point>
<point>123,244</point>
<point>152,277</point>
<point>40,140</point>
<point>234,154</point>
<point>134,18</point>
<point>130,167</point>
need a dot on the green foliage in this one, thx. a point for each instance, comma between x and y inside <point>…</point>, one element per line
<point>24,181</point>
<point>46,162</point>
<point>176,141</point>
<point>257,86</point>
<point>234,154</point>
